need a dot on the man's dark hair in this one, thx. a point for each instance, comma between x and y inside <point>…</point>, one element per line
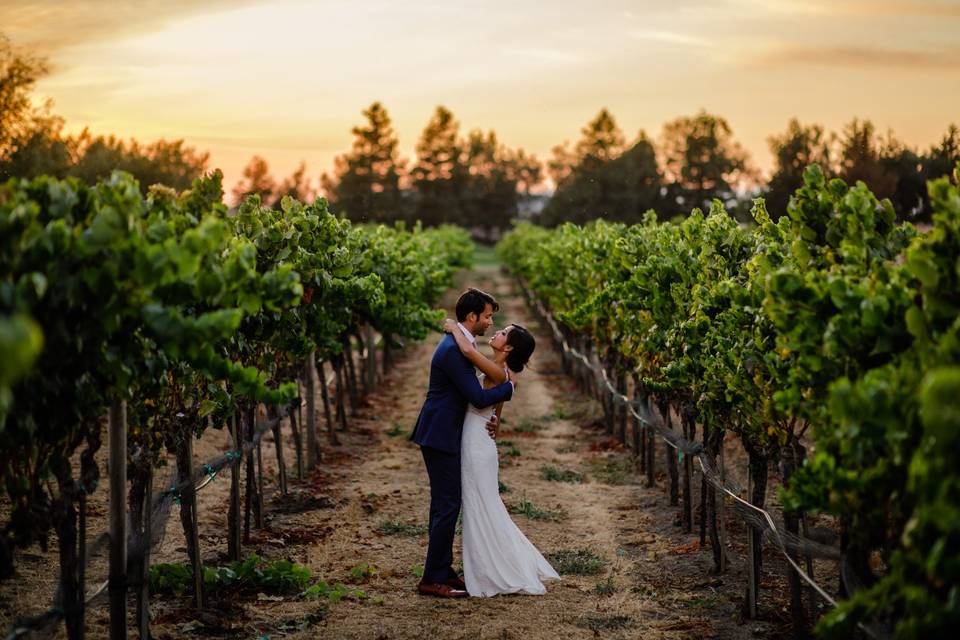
<point>474,301</point>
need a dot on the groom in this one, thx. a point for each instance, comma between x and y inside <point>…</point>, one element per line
<point>453,384</point>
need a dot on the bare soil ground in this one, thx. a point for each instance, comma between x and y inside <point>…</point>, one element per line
<point>654,581</point>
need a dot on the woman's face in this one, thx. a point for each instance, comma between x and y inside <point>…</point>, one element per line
<point>499,340</point>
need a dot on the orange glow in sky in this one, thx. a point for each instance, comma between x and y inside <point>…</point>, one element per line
<point>288,79</point>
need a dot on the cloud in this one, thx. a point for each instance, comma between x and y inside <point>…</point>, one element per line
<point>671,37</point>
<point>49,26</point>
<point>545,55</point>
<point>889,8</point>
<point>861,57</point>
<point>866,8</point>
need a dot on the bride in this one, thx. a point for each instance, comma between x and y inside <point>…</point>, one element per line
<point>497,557</point>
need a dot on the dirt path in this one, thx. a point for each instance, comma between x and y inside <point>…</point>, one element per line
<point>641,591</point>
<point>364,506</point>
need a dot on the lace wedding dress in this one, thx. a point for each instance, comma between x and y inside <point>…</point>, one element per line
<point>497,557</point>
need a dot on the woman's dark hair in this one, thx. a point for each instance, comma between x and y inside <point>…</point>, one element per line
<point>474,301</point>
<point>523,345</point>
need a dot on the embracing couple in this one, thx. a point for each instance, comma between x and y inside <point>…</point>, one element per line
<point>456,432</point>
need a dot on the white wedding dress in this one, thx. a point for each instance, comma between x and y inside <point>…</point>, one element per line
<point>497,557</point>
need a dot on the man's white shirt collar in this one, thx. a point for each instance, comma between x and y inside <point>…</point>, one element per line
<point>472,338</point>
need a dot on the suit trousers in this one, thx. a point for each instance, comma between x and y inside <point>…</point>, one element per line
<point>443,470</point>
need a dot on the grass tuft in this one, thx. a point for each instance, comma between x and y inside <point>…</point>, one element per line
<point>396,431</point>
<point>617,472</point>
<point>508,448</point>
<point>606,588</point>
<point>390,528</point>
<point>555,474</point>
<point>527,426</point>
<point>581,562</point>
<point>599,622</point>
<point>527,508</point>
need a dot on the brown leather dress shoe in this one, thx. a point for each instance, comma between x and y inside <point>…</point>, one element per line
<point>440,590</point>
<point>457,583</point>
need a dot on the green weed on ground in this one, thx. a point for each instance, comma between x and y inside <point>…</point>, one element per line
<point>528,509</point>
<point>615,471</point>
<point>581,562</point>
<point>527,426</point>
<point>395,528</point>
<point>555,474</point>
<point>396,431</point>
<point>606,588</point>
<point>599,622</point>
<point>508,448</point>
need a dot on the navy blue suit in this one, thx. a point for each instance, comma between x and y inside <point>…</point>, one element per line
<point>439,428</point>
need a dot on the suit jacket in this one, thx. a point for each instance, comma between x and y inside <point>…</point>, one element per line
<point>453,385</point>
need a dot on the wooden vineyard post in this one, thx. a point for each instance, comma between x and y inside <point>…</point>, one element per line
<point>651,450</point>
<point>639,452</point>
<point>704,515</point>
<point>233,515</point>
<point>310,379</point>
<point>297,438</point>
<point>722,514</point>
<point>371,349</point>
<point>649,444</point>
<point>118,520</point>
<point>622,407</point>
<point>756,492</point>
<point>325,394</point>
<point>250,482</point>
<point>792,523</point>
<point>688,428</point>
<point>751,564</point>
<point>143,594</point>
<point>301,392</point>
<point>351,376</point>
<point>273,414</point>
<point>609,402</point>
<point>188,512</point>
<point>387,357</point>
<point>338,367</point>
<point>586,374</point>
<point>258,502</point>
<point>672,455</point>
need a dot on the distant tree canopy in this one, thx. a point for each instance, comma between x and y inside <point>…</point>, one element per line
<point>476,181</point>
<point>256,181</point>
<point>603,177</point>
<point>296,185</point>
<point>32,141</point>
<point>793,151</point>
<point>366,182</point>
<point>890,168</point>
<point>699,160</point>
<point>702,161</point>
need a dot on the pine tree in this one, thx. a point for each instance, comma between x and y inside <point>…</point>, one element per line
<point>439,175</point>
<point>256,181</point>
<point>366,182</point>
<point>799,147</point>
<point>702,160</point>
<point>601,178</point>
<point>296,186</point>
<point>489,193</point>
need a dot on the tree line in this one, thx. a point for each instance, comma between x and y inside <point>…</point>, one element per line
<point>474,180</point>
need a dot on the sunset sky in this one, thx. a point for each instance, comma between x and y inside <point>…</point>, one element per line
<point>288,79</point>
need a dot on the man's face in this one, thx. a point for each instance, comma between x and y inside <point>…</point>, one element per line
<point>484,322</point>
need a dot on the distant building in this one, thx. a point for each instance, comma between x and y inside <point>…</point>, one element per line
<point>530,207</point>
